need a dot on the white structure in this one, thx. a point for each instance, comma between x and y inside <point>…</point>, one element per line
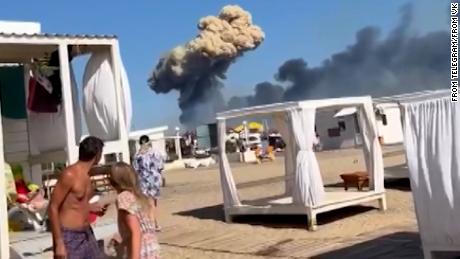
<point>21,49</point>
<point>304,191</point>
<point>388,117</point>
<point>156,136</point>
<point>20,27</point>
<point>338,129</point>
<point>431,132</point>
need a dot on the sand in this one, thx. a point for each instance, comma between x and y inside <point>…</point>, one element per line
<point>193,227</point>
<point>192,217</point>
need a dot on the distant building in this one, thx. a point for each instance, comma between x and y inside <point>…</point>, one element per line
<point>156,135</point>
<point>389,125</point>
<point>207,136</point>
<point>338,129</point>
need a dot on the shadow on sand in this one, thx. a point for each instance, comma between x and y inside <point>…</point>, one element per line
<point>275,221</point>
<point>396,245</point>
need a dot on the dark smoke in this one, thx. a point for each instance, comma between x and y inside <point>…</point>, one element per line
<point>400,63</point>
<point>265,93</point>
<point>199,86</point>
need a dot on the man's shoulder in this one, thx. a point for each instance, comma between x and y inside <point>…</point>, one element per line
<point>69,173</point>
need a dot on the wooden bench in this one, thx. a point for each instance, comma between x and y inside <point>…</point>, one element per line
<point>99,179</point>
<point>359,179</point>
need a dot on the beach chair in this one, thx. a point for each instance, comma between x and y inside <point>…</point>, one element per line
<point>34,210</point>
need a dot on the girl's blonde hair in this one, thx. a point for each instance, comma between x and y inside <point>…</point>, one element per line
<point>124,178</point>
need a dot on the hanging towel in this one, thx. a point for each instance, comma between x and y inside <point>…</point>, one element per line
<point>55,78</point>
<point>40,99</point>
<point>12,92</point>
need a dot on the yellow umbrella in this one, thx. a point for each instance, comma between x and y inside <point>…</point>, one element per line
<point>255,126</point>
<point>251,126</point>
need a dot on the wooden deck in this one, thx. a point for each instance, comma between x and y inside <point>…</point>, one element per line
<point>388,243</point>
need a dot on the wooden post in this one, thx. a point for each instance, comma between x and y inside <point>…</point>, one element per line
<point>178,147</point>
<point>4,235</point>
<point>71,145</point>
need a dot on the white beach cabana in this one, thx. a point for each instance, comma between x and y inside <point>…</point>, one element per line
<point>431,124</point>
<point>304,190</point>
<point>389,116</point>
<point>19,50</point>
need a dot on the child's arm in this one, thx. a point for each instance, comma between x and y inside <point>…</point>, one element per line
<point>135,235</point>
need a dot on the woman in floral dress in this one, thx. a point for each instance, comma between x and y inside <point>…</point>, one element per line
<point>135,222</point>
<point>149,165</point>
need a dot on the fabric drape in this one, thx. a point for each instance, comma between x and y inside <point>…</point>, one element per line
<point>371,147</point>
<point>100,99</point>
<point>308,183</point>
<point>226,177</point>
<point>432,144</point>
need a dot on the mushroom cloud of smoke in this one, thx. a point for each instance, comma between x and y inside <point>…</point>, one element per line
<point>400,63</point>
<point>196,69</point>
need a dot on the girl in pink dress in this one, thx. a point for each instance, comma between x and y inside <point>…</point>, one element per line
<point>136,222</point>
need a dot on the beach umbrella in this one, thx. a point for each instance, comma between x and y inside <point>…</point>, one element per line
<point>251,126</point>
<point>255,126</point>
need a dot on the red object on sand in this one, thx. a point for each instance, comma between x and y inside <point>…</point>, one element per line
<point>22,191</point>
<point>21,187</point>
<point>92,217</point>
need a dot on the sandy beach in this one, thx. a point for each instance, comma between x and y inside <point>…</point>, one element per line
<point>192,217</point>
<point>193,223</point>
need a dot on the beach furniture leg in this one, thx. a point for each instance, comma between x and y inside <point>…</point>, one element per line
<point>427,254</point>
<point>383,203</point>
<point>228,218</point>
<point>312,224</point>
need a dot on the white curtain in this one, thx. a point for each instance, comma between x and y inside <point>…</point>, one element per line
<point>432,145</point>
<point>281,123</point>
<point>99,97</point>
<point>308,184</point>
<point>126,94</point>
<point>371,147</point>
<point>226,177</point>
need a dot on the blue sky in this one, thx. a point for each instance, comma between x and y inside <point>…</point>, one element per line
<point>312,30</point>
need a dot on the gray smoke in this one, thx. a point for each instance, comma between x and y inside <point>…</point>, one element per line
<point>196,69</point>
<point>397,64</point>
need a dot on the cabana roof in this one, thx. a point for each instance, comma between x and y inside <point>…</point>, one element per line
<point>281,107</point>
<point>411,97</point>
<point>18,48</point>
<point>56,35</point>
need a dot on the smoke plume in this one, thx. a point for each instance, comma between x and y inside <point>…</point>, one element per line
<point>399,63</point>
<point>197,68</point>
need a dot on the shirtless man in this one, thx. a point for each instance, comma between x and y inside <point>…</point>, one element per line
<point>69,207</point>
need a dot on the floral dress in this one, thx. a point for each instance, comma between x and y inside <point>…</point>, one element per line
<point>148,164</point>
<point>150,249</point>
